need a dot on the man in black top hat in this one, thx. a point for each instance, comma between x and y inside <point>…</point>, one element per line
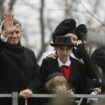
<point>68,27</point>
<point>73,70</point>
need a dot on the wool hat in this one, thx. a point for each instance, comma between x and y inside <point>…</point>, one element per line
<point>66,26</point>
<point>54,75</point>
<point>62,41</point>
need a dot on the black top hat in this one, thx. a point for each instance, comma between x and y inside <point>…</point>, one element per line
<point>62,41</point>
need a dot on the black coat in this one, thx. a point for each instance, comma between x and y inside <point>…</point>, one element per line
<point>98,56</point>
<point>77,78</point>
<point>81,52</point>
<point>18,69</point>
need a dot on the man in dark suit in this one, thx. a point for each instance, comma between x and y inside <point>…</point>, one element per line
<point>18,66</point>
<point>74,71</point>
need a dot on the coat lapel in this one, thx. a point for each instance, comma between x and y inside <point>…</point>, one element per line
<point>74,71</point>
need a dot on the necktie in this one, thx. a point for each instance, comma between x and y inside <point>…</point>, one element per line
<point>65,70</point>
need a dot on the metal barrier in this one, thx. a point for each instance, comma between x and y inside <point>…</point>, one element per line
<point>15,96</point>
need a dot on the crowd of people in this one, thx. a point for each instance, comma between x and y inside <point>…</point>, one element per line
<point>68,68</point>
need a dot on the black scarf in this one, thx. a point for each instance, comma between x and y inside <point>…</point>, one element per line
<point>15,53</point>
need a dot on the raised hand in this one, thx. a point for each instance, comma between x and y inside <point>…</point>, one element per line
<point>73,38</point>
<point>8,25</point>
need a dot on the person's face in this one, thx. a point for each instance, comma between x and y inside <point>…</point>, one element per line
<point>73,37</point>
<point>63,52</point>
<point>15,35</point>
<point>61,88</point>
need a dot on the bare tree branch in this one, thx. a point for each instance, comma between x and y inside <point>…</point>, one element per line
<point>42,21</point>
<point>11,4</point>
<point>43,45</point>
<point>92,14</point>
<point>30,5</point>
<point>1,8</point>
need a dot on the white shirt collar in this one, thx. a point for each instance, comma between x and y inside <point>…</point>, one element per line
<point>68,62</point>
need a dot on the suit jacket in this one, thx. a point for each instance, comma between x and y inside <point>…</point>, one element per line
<point>78,74</point>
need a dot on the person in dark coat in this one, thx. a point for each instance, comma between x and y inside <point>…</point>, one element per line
<point>78,35</point>
<point>18,66</point>
<point>98,57</point>
<point>75,74</point>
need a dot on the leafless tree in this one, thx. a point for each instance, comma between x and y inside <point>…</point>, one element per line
<point>11,4</point>
<point>42,28</point>
<point>70,8</point>
<point>1,8</point>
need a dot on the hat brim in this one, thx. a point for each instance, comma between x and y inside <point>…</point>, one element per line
<point>54,45</point>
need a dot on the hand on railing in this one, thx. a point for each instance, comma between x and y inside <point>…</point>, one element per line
<point>26,93</point>
<point>95,91</point>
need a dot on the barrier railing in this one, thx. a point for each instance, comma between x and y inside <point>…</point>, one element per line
<point>15,96</point>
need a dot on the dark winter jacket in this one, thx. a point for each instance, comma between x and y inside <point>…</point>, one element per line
<point>18,69</point>
<point>78,74</point>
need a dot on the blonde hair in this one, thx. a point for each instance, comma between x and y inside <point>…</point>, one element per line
<point>52,84</point>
